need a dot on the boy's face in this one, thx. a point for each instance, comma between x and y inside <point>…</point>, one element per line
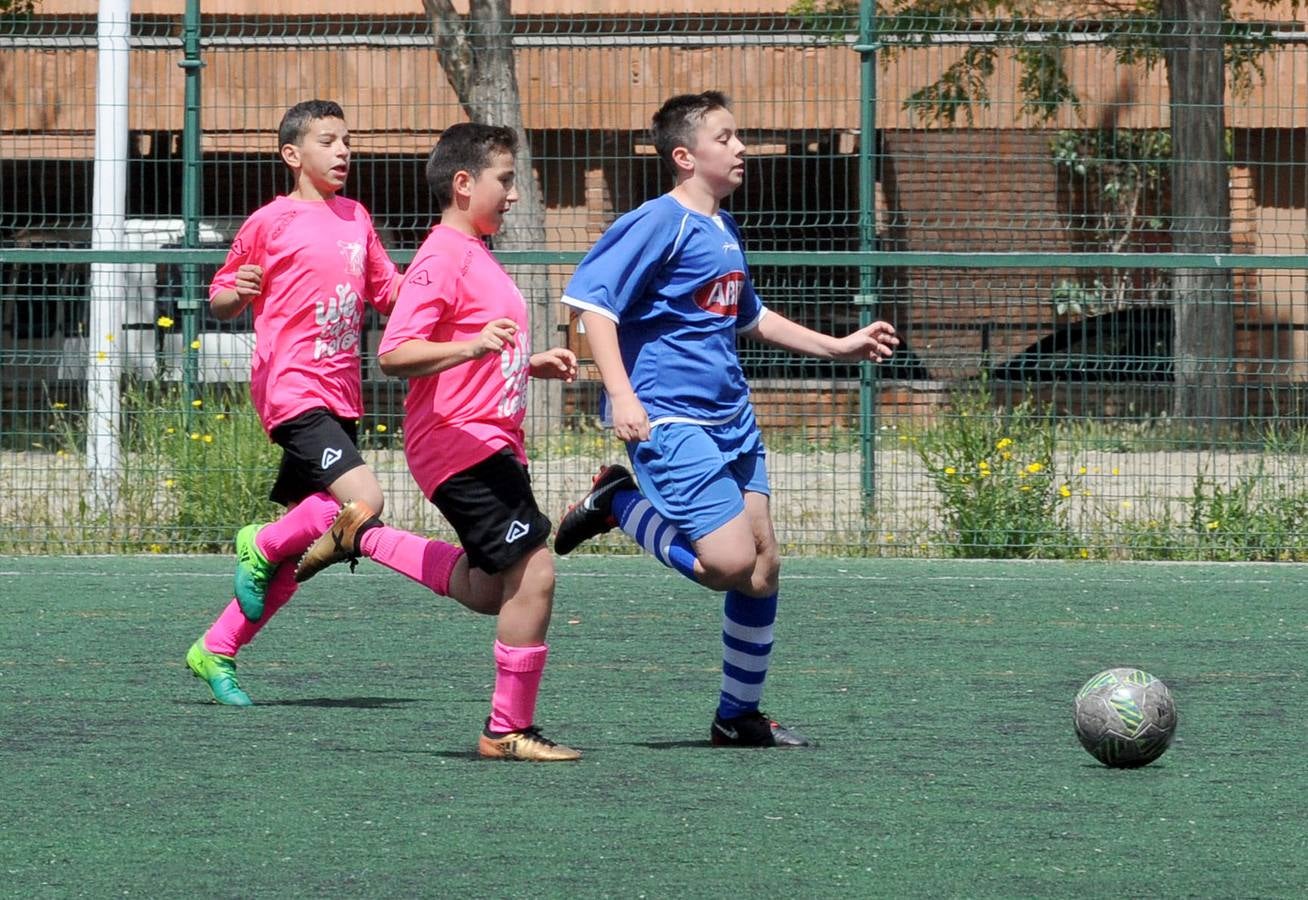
<point>323,155</point>
<point>491,194</point>
<point>718,157</point>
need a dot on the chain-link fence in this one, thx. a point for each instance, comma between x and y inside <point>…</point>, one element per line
<point>1088,224</point>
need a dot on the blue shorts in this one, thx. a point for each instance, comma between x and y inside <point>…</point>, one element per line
<point>696,475</point>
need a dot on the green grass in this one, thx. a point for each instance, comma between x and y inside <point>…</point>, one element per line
<point>941,693</point>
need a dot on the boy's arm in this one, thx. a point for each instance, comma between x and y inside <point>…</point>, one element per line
<point>228,304</point>
<point>558,363</point>
<point>415,358</point>
<point>875,342</point>
<point>630,421</point>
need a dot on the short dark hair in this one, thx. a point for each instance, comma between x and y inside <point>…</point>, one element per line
<point>465,147</point>
<point>675,123</point>
<point>300,118</point>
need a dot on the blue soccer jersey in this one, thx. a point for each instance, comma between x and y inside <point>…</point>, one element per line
<point>676,283</point>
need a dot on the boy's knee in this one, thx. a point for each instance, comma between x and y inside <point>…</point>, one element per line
<point>768,573</point>
<point>757,576</point>
<point>538,571</point>
<point>731,573</point>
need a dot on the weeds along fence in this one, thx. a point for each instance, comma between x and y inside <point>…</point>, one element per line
<point>1097,260</point>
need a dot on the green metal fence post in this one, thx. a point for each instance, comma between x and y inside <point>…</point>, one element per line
<point>191,299</point>
<point>866,298</point>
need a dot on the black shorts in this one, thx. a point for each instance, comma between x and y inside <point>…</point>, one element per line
<point>494,512</point>
<point>317,448</point>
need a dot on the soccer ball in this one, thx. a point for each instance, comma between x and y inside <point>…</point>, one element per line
<point>1125,718</point>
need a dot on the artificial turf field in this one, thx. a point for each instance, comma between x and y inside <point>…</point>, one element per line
<point>941,693</point>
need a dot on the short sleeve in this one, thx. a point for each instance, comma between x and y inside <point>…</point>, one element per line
<point>750,309</point>
<point>381,274</point>
<point>614,274</point>
<point>426,292</point>
<point>246,249</point>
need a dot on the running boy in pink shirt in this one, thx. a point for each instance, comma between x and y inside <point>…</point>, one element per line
<point>460,333</point>
<point>307,262</point>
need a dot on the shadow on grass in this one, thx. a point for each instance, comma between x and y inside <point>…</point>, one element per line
<point>344,702</point>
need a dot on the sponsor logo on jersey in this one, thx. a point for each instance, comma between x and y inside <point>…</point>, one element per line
<point>340,319</point>
<point>352,252</point>
<point>721,295</point>
<point>421,278</point>
<point>281,224</point>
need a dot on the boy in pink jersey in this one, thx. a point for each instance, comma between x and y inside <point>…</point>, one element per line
<point>459,332</point>
<point>307,262</point>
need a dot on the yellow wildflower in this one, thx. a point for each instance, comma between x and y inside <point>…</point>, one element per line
<point>164,322</point>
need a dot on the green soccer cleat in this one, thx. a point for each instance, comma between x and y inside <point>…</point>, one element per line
<point>219,672</point>
<point>253,572</point>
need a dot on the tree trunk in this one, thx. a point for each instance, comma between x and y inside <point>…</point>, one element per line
<point>1204,336</point>
<point>476,53</point>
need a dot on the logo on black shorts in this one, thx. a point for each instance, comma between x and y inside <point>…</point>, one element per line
<point>516,530</point>
<point>330,457</point>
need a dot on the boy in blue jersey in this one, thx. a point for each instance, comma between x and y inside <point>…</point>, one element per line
<point>662,296</point>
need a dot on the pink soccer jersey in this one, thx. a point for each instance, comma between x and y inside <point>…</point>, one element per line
<point>457,418</point>
<point>322,261</point>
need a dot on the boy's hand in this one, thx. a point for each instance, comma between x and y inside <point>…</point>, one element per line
<point>630,421</point>
<point>249,282</point>
<point>494,336</point>
<point>556,362</point>
<point>875,342</point>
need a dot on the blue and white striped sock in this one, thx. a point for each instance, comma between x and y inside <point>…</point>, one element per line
<point>655,534</point>
<point>746,651</point>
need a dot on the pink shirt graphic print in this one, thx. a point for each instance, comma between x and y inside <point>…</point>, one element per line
<point>459,417</point>
<point>322,262</point>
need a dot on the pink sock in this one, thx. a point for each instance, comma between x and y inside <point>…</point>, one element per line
<point>427,562</point>
<point>517,681</point>
<point>292,534</point>
<point>232,630</point>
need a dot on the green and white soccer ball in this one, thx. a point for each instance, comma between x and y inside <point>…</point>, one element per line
<point>1125,717</point>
